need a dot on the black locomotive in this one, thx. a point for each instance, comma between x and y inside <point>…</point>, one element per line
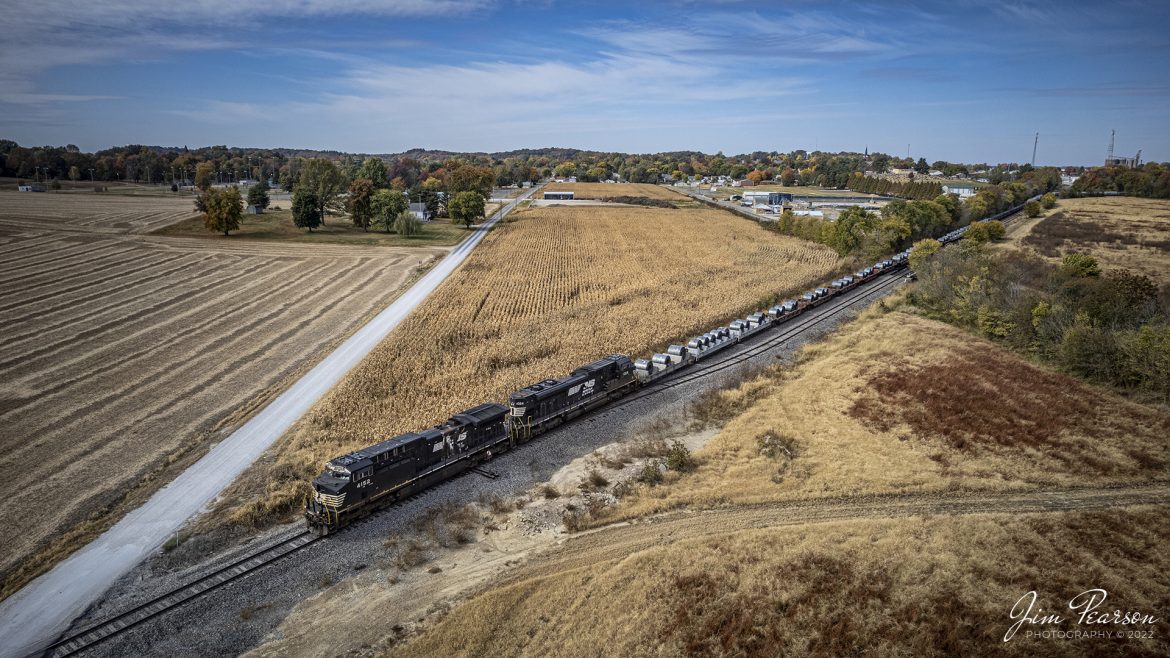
<point>357,483</point>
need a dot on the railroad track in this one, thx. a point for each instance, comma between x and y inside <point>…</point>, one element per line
<point>106,629</point>
<point>788,331</point>
<point>178,596</point>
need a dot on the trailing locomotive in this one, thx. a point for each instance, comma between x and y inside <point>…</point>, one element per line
<point>357,483</point>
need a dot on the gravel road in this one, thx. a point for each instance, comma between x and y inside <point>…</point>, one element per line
<point>37,614</point>
<point>215,624</point>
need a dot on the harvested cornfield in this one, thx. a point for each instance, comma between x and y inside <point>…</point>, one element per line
<point>548,291</point>
<point>92,212</point>
<point>127,356</point>
<point>607,190</point>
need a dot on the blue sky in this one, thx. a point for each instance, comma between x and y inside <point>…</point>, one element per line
<point>959,80</point>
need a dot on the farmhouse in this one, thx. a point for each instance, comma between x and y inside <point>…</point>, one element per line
<point>559,195</point>
<point>963,191</point>
<point>420,212</point>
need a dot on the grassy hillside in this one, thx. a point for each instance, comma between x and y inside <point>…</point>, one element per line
<point>896,492</point>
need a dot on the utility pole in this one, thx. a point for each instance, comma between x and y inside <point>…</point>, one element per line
<point>1034,145</point>
<point>1109,155</point>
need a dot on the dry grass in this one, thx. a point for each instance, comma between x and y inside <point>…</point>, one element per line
<point>552,289</point>
<point>941,586</point>
<point>606,190</point>
<point>899,403</point>
<point>126,356</point>
<point>1120,232</point>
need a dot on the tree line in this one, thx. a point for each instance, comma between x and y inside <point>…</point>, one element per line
<point>921,190</point>
<point>1150,180</point>
<point>873,235</point>
<point>1110,327</point>
<point>411,169</point>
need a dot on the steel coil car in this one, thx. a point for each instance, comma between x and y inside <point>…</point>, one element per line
<point>356,483</point>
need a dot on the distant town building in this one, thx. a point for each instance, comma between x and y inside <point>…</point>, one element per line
<point>767,198</point>
<point>30,188</point>
<point>559,196</point>
<point>963,191</point>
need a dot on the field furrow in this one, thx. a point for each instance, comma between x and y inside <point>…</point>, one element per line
<point>129,354</point>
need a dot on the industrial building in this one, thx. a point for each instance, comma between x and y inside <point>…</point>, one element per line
<point>559,196</point>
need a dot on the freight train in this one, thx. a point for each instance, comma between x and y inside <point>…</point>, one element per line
<point>357,483</point>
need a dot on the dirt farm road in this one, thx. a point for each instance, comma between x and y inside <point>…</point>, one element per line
<point>619,540</point>
<point>34,616</point>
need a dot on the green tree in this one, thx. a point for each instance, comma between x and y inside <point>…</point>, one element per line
<point>374,170</point>
<point>1032,208</point>
<point>1048,201</point>
<point>360,202</point>
<point>921,167</point>
<point>204,173</point>
<point>465,208</point>
<point>323,179</point>
<point>74,173</point>
<point>306,209</point>
<point>921,252</point>
<point>385,207</point>
<point>406,224</point>
<point>222,209</point>
<point>258,195</point>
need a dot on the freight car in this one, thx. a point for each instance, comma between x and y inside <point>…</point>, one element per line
<point>357,483</point>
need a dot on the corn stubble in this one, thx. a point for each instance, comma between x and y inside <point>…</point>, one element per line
<point>552,289</point>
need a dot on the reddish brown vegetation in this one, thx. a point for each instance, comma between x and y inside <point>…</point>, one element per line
<point>981,401</point>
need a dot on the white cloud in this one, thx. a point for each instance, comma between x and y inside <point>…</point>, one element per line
<point>58,33</point>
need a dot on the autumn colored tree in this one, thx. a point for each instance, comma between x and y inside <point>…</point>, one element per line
<point>360,202</point>
<point>204,173</point>
<point>222,209</point>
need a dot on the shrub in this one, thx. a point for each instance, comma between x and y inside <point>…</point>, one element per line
<point>773,445</point>
<point>921,252</point>
<point>550,492</point>
<point>1048,201</point>
<point>1032,208</point>
<point>56,184</point>
<point>651,473</point>
<point>986,232</point>
<point>1080,266</point>
<point>680,459</point>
